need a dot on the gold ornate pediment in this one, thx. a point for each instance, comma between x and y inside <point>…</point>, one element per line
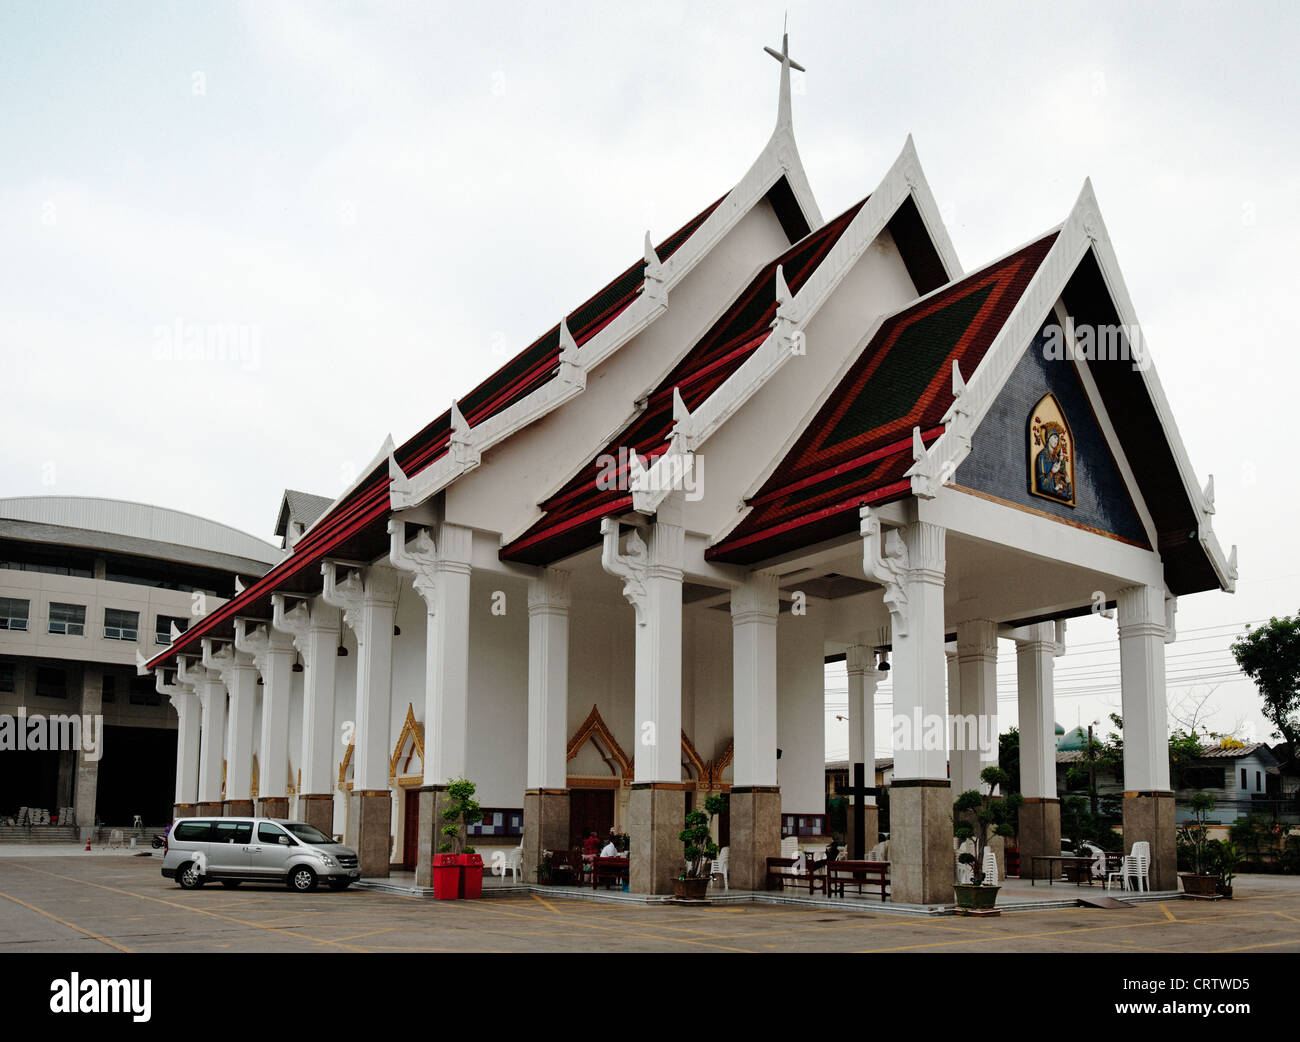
<point>593,729</point>
<point>413,732</point>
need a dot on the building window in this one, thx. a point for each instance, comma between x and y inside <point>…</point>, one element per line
<point>163,627</point>
<point>51,682</point>
<point>121,625</point>
<point>803,825</point>
<point>13,614</point>
<point>1259,782</point>
<point>109,689</point>
<point>498,822</point>
<point>68,619</point>
<point>7,676</point>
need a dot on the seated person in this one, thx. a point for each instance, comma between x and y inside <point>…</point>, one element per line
<point>609,850</point>
<point>591,845</point>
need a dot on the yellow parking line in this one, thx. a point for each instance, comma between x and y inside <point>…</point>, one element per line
<point>63,922</point>
<point>542,901</point>
<point>1168,914</point>
<point>1248,947</point>
<point>185,908</point>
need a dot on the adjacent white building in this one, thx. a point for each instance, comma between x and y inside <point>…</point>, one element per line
<point>87,586</point>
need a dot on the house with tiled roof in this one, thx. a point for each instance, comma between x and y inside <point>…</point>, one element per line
<point>1242,777</point>
<point>604,584</point>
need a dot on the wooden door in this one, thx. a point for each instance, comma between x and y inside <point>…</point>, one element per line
<point>410,829</point>
<point>590,809</point>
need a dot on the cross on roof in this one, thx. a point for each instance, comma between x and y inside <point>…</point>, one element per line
<point>783,55</point>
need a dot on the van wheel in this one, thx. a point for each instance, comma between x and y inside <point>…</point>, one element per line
<point>340,884</point>
<point>230,884</point>
<point>187,876</point>
<point>302,879</point>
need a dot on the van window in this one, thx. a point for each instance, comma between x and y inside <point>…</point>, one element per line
<point>232,831</point>
<point>267,833</point>
<point>194,831</point>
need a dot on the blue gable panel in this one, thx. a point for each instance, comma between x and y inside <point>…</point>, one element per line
<point>998,465</point>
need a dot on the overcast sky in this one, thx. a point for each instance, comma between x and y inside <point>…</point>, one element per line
<point>382,202</point>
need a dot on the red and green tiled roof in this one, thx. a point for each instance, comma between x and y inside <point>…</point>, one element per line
<point>571,518</point>
<point>363,512</point>
<point>858,448</point>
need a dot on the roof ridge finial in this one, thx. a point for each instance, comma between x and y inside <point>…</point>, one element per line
<point>783,117</point>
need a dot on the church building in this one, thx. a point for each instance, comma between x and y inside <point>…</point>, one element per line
<point>604,583</point>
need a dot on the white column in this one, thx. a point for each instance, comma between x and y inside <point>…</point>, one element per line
<point>273,655</point>
<point>920,684</point>
<point>1142,631</point>
<point>863,681</point>
<point>314,627</point>
<point>548,680</point>
<point>1035,657</point>
<point>754,610</point>
<point>368,597</point>
<point>652,573</point>
<point>956,751</point>
<point>211,695</point>
<point>438,561</point>
<point>183,700</point>
<point>240,677</point>
<point>977,685</point>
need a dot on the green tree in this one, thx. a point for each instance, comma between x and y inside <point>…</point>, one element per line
<point>1270,656</point>
<point>1009,758</point>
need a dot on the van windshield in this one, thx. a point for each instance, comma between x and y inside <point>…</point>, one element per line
<point>308,833</point>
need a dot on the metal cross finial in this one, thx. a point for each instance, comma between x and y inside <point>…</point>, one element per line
<point>783,55</point>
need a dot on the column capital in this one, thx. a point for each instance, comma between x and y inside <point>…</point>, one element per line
<point>363,586</point>
<point>1040,636</point>
<point>260,640</point>
<point>926,545</point>
<point>977,640</point>
<point>755,600</point>
<point>225,659</point>
<point>1141,611</point>
<point>860,659</point>
<point>433,552</point>
<point>548,593</point>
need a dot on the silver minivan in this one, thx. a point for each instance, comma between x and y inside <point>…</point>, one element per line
<point>269,850</point>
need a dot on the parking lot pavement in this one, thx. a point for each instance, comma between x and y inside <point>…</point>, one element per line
<point>71,904</point>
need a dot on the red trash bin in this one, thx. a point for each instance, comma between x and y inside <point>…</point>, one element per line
<point>471,875</point>
<point>446,877</point>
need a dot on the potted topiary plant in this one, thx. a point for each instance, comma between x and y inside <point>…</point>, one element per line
<point>1202,880</point>
<point>991,816</point>
<point>461,812</point>
<point>1227,855</point>
<point>699,850</point>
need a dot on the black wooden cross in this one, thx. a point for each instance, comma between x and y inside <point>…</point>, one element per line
<point>860,791</point>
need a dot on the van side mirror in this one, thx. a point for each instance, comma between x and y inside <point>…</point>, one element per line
<point>285,841</point>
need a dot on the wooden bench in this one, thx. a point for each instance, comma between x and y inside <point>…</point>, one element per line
<point>858,874</point>
<point>609,870</point>
<point>780,875</point>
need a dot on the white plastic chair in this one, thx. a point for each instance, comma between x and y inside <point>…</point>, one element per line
<point>790,846</point>
<point>514,863</point>
<point>1142,851</point>
<point>990,868</point>
<point>720,868</point>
